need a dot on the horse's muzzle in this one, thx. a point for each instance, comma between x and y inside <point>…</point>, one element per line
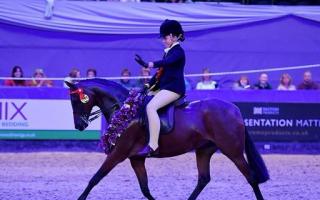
<point>81,125</point>
<point>80,128</point>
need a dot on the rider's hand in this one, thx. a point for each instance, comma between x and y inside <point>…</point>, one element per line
<point>145,88</point>
<point>141,62</point>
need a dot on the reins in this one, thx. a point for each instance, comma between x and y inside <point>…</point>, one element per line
<point>95,115</point>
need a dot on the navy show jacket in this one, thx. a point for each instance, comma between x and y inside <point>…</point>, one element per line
<point>172,77</point>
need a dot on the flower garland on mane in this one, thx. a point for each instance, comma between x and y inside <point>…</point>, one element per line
<point>121,119</point>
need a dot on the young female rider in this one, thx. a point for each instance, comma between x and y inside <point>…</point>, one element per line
<point>167,84</point>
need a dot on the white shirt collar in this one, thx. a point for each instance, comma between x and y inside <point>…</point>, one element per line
<point>166,50</point>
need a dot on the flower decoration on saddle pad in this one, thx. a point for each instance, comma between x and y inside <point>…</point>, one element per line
<point>121,119</point>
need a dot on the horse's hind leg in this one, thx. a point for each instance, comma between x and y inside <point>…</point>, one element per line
<point>203,156</point>
<point>110,162</point>
<point>141,173</point>
<point>244,168</point>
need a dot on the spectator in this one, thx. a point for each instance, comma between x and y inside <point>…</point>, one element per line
<point>91,73</point>
<point>145,72</point>
<point>263,83</point>
<point>74,74</point>
<point>125,81</point>
<point>16,73</point>
<point>206,83</point>
<point>242,83</point>
<point>286,83</point>
<point>308,83</point>
<point>40,82</point>
<point>188,84</point>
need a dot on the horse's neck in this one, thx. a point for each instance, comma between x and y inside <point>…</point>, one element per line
<point>108,103</point>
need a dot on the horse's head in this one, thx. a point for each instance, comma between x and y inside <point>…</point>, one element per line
<point>82,101</point>
<point>86,94</point>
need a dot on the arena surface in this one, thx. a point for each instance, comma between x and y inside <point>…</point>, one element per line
<point>64,175</point>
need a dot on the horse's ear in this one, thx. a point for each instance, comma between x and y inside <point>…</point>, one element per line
<point>72,86</point>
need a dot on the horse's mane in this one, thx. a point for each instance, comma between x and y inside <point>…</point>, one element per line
<point>102,82</point>
<point>106,85</point>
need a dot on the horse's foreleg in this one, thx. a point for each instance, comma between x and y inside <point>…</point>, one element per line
<point>110,162</point>
<point>203,163</point>
<point>141,173</point>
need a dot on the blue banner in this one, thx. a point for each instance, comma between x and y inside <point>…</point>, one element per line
<point>282,121</point>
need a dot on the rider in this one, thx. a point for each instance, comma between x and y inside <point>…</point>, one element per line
<point>167,85</point>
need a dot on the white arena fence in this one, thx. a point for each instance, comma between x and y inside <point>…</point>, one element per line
<point>260,70</point>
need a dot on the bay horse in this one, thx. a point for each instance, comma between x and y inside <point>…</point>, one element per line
<point>203,126</point>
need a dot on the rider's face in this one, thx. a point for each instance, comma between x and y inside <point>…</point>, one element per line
<point>168,40</point>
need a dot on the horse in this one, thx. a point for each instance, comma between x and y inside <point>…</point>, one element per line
<point>203,126</point>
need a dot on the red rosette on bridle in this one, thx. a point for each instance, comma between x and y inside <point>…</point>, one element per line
<point>79,91</point>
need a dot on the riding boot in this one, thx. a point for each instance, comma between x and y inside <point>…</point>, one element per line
<point>146,151</point>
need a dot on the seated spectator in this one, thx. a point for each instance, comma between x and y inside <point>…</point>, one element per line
<point>40,82</point>
<point>308,83</point>
<point>74,74</point>
<point>286,83</point>
<point>125,81</point>
<point>242,83</point>
<point>188,84</point>
<point>145,72</point>
<point>16,73</point>
<point>206,83</point>
<point>91,73</point>
<point>263,83</point>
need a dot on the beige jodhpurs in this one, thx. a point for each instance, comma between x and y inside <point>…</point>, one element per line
<point>160,99</point>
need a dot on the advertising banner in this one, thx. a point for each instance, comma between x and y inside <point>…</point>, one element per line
<point>41,119</point>
<point>53,119</point>
<point>282,121</point>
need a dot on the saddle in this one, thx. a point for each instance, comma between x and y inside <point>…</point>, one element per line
<point>166,114</point>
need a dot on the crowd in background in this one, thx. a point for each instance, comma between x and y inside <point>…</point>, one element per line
<point>39,79</point>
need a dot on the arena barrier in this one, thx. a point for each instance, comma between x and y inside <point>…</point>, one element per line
<point>268,115</point>
<point>40,113</point>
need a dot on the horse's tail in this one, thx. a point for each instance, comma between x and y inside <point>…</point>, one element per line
<point>256,163</point>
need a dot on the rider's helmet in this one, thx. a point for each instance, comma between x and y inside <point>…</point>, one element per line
<point>172,27</point>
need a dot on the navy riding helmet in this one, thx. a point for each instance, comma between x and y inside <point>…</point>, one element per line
<point>171,27</point>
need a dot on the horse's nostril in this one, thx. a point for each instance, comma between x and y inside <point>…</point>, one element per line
<point>80,127</point>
